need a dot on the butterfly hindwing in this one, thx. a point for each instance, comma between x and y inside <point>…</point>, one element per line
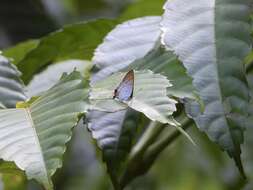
<point>125,89</point>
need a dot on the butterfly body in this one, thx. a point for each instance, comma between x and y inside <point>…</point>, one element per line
<point>124,91</point>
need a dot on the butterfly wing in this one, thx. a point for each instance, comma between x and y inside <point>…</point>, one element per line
<point>125,89</point>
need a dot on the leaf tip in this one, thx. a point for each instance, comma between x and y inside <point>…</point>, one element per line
<point>239,165</point>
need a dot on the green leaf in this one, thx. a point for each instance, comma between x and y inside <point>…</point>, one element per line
<point>79,7</point>
<point>149,97</point>
<point>143,8</point>
<point>212,38</point>
<point>132,44</point>
<point>9,168</point>
<point>114,133</point>
<point>250,82</point>
<point>139,48</point>
<point>124,48</point>
<point>249,66</point>
<point>51,75</point>
<point>11,87</point>
<point>14,181</point>
<point>76,41</point>
<point>44,125</point>
<point>125,44</point>
<point>165,62</point>
<point>12,177</point>
<point>147,150</point>
<point>18,52</point>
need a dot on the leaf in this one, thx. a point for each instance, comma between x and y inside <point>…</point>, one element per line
<point>131,52</point>
<point>250,82</point>
<point>142,8</point>
<point>44,126</point>
<point>1,106</point>
<point>114,133</point>
<point>12,178</point>
<point>107,59</point>
<point>249,61</point>
<point>18,52</point>
<point>81,8</point>
<point>11,87</point>
<point>212,38</point>
<point>14,182</point>
<point>166,63</point>
<point>149,97</point>
<point>125,44</point>
<point>50,76</point>
<point>76,41</point>
<point>141,50</point>
<point>9,168</point>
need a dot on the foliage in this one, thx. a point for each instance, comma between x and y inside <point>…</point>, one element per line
<point>189,74</point>
<point>213,67</point>
<point>142,8</point>
<point>67,43</point>
<point>12,88</point>
<point>18,52</point>
<point>44,124</point>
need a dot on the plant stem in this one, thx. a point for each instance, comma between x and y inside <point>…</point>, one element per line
<point>115,183</point>
<point>150,135</point>
<point>147,150</point>
<point>134,162</point>
<point>158,147</point>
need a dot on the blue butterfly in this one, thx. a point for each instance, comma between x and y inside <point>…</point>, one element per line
<point>124,91</point>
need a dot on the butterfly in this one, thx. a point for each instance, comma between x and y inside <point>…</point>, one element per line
<point>124,91</point>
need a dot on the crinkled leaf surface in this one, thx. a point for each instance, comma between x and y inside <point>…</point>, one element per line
<point>114,134</point>
<point>11,87</point>
<point>149,96</point>
<point>211,38</point>
<point>128,42</point>
<point>76,41</point>
<point>132,40</point>
<point>50,76</point>
<point>116,54</point>
<point>44,126</point>
<point>135,44</point>
<point>98,122</point>
<point>165,62</point>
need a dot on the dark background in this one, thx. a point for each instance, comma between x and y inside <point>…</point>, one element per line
<point>25,19</point>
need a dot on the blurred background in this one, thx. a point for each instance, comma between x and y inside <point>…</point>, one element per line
<point>180,167</point>
<point>24,19</point>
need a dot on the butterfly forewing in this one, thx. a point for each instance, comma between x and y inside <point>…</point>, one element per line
<point>124,91</point>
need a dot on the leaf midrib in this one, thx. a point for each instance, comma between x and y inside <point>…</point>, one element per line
<point>235,144</point>
<point>29,118</point>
